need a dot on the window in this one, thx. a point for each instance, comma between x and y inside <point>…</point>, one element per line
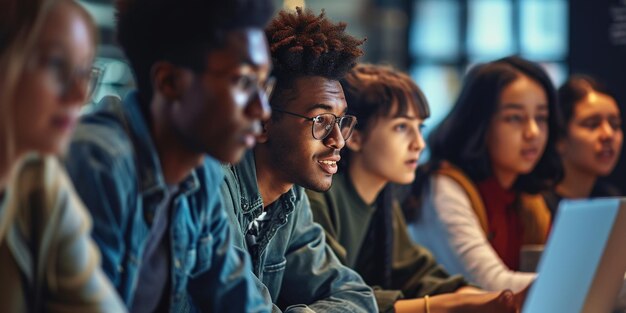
<point>446,37</point>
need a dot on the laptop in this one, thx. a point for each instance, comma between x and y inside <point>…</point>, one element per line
<point>582,267</point>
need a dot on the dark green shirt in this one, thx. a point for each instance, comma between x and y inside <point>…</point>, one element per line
<point>346,218</point>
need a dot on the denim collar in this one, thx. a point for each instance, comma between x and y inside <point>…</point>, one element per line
<point>151,179</point>
<point>245,172</point>
<point>251,201</point>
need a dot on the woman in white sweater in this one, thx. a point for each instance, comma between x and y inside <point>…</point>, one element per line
<point>48,261</point>
<point>476,202</point>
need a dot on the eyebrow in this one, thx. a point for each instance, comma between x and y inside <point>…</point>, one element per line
<point>517,106</point>
<point>413,118</point>
<point>323,106</point>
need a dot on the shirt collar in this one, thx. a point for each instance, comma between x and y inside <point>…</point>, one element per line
<point>251,200</point>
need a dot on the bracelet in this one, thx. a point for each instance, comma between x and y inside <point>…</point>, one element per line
<point>427,304</point>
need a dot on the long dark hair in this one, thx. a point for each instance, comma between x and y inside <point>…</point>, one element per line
<point>575,89</point>
<point>373,91</point>
<point>461,138</point>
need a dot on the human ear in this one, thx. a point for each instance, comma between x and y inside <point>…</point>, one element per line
<point>169,80</point>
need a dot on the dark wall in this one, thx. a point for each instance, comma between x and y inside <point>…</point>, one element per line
<point>598,47</point>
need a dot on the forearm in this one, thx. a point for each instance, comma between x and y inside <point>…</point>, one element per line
<point>437,304</point>
<point>470,290</point>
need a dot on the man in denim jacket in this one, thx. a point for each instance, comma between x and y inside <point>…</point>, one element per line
<point>300,145</point>
<point>146,168</point>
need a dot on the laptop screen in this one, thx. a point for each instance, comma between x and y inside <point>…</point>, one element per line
<point>583,265</point>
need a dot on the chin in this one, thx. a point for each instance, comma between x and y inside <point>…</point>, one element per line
<point>56,148</point>
<point>526,169</point>
<point>235,156</point>
<point>603,171</point>
<point>227,153</point>
<point>319,186</point>
<point>405,180</point>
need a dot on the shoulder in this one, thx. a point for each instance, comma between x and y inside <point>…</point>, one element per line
<point>605,189</point>
<point>210,173</point>
<point>42,183</point>
<point>317,199</point>
<point>103,127</point>
<point>452,202</point>
<point>100,137</point>
<point>444,184</point>
<point>299,197</point>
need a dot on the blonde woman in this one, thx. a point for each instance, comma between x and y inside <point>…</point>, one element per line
<point>47,259</point>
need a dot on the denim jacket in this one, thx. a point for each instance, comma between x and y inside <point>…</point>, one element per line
<point>291,258</point>
<point>115,168</point>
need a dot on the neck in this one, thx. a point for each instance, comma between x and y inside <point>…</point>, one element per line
<point>505,178</point>
<point>177,161</point>
<point>576,183</point>
<point>271,181</point>
<point>367,184</point>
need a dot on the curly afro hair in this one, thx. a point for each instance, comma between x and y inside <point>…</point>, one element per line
<point>305,44</point>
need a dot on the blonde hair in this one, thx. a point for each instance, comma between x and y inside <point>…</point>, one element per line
<point>21,23</point>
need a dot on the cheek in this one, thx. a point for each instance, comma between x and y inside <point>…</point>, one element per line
<point>383,155</point>
<point>212,114</point>
<point>619,139</point>
<point>579,148</point>
<point>35,94</point>
<point>504,143</point>
<point>35,104</point>
<point>584,140</point>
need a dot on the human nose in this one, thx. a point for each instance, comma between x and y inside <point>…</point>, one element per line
<point>417,141</point>
<point>606,131</point>
<point>532,129</point>
<point>259,106</point>
<point>335,138</point>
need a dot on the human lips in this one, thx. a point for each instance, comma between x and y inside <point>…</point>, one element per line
<point>606,154</point>
<point>249,140</point>
<point>412,163</point>
<point>250,134</point>
<point>329,165</point>
<point>530,154</point>
<point>65,122</point>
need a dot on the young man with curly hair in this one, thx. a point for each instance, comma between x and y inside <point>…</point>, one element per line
<point>299,147</point>
<point>148,167</point>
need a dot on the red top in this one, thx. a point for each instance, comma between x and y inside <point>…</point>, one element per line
<point>505,226</point>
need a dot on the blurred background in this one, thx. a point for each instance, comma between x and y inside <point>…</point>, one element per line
<point>436,41</point>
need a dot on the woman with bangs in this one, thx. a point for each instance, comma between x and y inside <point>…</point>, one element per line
<point>48,262</point>
<point>477,202</point>
<point>361,217</point>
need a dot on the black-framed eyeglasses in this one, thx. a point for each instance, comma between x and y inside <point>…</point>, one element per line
<point>323,124</point>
